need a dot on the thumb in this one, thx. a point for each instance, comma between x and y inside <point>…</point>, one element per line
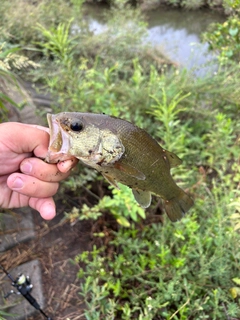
<point>24,138</point>
<point>45,206</point>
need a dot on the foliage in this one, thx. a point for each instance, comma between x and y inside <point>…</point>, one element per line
<point>4,314</point>
<point>19,18</point>
<point>57,41</point>
<point>9,61</point>
<point>232,6</point>
<point>180,271</point>
<point>195,260</point>
<point>167,113</point>
<point>183,270</point>
<point>225,38</point>
<point>188,270</point>
<point>121,205</point>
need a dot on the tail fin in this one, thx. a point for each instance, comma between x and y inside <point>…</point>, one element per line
<point>178,206</point>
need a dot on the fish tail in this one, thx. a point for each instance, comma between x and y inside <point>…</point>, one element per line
<point>178,206</point>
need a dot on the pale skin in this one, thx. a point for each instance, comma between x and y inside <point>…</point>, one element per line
<point>25,179</point>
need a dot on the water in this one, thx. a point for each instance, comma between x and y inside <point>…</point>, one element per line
<point>176,32</point>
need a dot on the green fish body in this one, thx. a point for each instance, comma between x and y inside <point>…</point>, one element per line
<point>123,153</point>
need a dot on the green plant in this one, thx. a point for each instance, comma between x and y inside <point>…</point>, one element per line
<point>121,205</point>
<point>9,61</point>
<point>231,6</point>
<point>19,18</point>
<point>57,41</point>
<point>225,39</point>
<point>188,270</point>
<point>177,271</point>
<point>4,313</point>
<point>195,4</point>
<point>183,270</point>
<point>166,112</point>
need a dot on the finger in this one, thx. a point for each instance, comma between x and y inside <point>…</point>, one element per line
<point>67,165</point>
<point>35,126</point>
<point>41,170</point>
<point>45,206</point>
<point>23,138</point>
<point>31,186</point>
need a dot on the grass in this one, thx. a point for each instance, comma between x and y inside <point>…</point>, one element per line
<point>183,270</point>
<point>187,270</point>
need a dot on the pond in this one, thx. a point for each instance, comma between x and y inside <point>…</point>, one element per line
<point>176,32</point>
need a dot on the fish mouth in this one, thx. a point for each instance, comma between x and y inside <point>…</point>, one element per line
<point>59,146</point>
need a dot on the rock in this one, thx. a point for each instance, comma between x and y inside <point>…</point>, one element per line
<point>19,307</point>
<point>16,227</point>
<point>27,111</point>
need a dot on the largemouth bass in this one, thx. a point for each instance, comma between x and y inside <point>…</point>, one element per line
<point>122,153</point>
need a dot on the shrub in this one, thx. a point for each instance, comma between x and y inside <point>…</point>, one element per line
<point>188,270</point>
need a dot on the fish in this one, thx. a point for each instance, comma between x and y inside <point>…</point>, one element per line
<point>122,153</point>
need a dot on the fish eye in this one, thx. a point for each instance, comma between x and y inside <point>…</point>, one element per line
<point>76,126</point>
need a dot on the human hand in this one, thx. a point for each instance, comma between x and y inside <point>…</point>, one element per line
<point>25,179</point>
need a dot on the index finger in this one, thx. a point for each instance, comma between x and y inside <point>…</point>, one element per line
<point>66,165</point>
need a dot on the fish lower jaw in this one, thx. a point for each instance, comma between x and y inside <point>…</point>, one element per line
<point>54,157</point>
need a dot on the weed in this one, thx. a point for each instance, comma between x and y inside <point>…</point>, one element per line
<point>121,205</point>
<point>57,41</point>
<point>10,60</point>
<point>179,271</point>
<point>187,270</point>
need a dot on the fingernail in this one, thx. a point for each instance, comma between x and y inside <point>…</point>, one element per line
<point>26,167</point>
<point>17,183</point>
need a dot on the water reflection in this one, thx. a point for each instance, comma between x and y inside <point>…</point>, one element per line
<point>176,32</point>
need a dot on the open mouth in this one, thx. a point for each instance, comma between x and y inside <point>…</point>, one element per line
<point>59,141</point>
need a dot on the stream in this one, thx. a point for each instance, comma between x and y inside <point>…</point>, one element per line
<point>176,32</point>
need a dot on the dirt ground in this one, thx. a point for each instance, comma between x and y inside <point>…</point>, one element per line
<point>55,246</point>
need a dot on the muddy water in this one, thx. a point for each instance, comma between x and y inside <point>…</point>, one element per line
<point>176,32</point>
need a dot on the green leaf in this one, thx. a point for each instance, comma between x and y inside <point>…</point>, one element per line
<point>6,98</point>
<point>133,215</point>
<point>233,32</point>
<point>142,213</point>
<point>123,221</point>
<point>229,53</point>
<point>235,292</point>
<point>236,280</point>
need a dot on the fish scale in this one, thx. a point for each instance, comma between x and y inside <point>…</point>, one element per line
<point>123,153</point>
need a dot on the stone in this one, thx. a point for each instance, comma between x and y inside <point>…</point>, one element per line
<point>19,307</point>
<point>16,227</point>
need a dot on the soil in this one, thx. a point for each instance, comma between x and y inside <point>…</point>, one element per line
<point>56,248</point>
<point>56,244</point>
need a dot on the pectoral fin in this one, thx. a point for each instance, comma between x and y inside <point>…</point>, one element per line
<point>173,159</point>
<point>111,180</point>
<point>144,198</point>
<point>130,170</point>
